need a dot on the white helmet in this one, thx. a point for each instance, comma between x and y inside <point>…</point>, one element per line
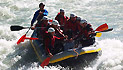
<point>45,18</point>
<point>55,22</point>
<point>83,21</point>
<point>51,29</point>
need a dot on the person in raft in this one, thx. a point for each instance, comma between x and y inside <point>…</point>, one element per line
<point>49,41</point>
<point>61,18</point>
<point>86,35</point>
<point>39,14</point>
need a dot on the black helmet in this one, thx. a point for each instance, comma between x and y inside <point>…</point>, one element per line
<point>41,4</point>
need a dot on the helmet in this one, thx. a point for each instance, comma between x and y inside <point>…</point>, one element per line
<point>61,10</point>
<point>83,21</point>
<point>55,22</point>
<point>51,29</point>
<point>78,19</point>
<point>72,15</point>
<point>45,18</point>
<point>50,21</point>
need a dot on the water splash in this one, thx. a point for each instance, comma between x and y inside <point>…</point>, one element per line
<point>96,12</point>
<point>111,58</point>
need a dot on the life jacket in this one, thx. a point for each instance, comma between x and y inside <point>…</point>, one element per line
<point>49,41</point>
<point>61,19</point>
<point>41,24</point>
<point>41,16</point>
<point>84,31</point>
<point>71,25</point>
<point>42,29</point>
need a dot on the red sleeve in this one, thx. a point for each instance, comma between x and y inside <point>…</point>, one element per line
<point>61,38</point>
<point>66,18</point>
<point>56,18</point>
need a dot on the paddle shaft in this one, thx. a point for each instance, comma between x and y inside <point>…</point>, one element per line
<point>17,28</point>
<point>105,30</point>
<point>98,34</point>
<point>28,30</point>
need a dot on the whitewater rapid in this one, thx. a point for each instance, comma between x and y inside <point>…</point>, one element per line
<point>97,12</point>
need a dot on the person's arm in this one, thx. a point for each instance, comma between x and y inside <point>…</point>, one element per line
<point>34,18</point>
<point>47,41</point>
<point>66,18</point>
<point>56,18</point>
<point>46,45</point>
<point>61,38</point>
<point>45,12</point>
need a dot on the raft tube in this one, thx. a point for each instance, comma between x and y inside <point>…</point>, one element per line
<point>70,53</point>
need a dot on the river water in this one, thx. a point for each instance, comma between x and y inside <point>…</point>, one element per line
<point>96,12</point>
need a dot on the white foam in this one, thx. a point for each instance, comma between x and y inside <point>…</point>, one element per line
<point>4,1</point>
<point>35,66</point>
<point>5,13</point>
<point>111,57</point>
<point>20,12</point>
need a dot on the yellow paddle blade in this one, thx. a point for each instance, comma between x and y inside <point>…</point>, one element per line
<point>98,34</point>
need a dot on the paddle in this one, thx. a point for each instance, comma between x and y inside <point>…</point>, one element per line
<point>45,62</point>
<point>98,34</point>
<point>106,30</point>
<point>17,28</point>
<point>24,37</point>
<point>102,27</point>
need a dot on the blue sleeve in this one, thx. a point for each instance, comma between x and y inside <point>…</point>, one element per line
<point>34,17</point>
<point>45,13</point>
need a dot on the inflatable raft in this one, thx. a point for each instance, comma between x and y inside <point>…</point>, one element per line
<point>63,55</point>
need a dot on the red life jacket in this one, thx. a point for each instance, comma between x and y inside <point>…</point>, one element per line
<point>61,19</point>
<point>49,41</point>
<point>71,25</point>
<point>84,31</point>
<point>42,28</point>
<point>41,24</point>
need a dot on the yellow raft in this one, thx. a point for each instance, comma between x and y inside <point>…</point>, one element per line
<point>69,53</point>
